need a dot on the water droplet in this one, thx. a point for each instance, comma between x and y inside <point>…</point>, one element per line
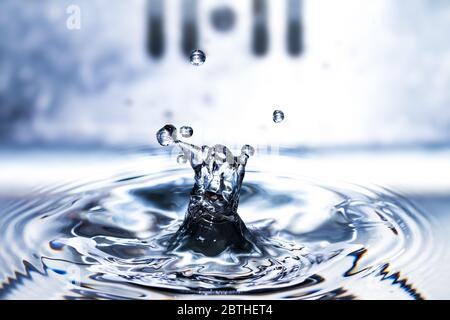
<point>186,132</point>
<point>198,57</point>
<point>248,150</point>
<point>278,116</point>
<point>167,135</point>
<point>181,159</point>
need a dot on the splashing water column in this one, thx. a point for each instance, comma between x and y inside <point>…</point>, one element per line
<point>212,225</point>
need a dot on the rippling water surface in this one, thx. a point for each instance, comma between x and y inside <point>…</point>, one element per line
<point>104,237</point>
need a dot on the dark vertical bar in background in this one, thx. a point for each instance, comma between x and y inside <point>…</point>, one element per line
<point>155,28</point>
<point>189,25</point>
<point>294,27</point>
<point>260,35</point>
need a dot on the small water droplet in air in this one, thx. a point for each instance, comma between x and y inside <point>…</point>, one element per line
<point>167,135</point>
<point>278,116</point>
<point>248,150</point>
<point>181,159</point>
<point>198,57</point>
<point>186,131</point>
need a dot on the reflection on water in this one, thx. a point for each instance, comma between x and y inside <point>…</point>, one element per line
<point>104,237</point>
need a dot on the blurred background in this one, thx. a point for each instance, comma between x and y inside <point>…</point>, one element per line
<point>364,85</point>
<point>111,72</point>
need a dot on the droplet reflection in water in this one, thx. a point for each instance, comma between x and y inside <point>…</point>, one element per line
<point>197,57</point>
<point>278,116</point>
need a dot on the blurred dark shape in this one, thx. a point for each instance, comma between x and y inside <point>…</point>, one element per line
<point>223,19</point>
<point>260,35</point>
<point>189,40</point>
<point>294,28</point>
<point>10,115</point>
<point>168,114</point>
<point>155,24</point>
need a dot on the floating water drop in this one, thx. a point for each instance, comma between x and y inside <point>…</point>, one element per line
<point>181,159</point>
<point>186,131</point>
<point>198,57</point>
<point>167,135</point>
<point>248,150</point>
<point>278,116</point>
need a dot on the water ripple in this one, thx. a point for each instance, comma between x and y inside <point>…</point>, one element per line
<point>106,238</point>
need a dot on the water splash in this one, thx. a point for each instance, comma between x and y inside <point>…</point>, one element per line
<point>108,237</point>
<point>212,224</point>
<point>133,234</point>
